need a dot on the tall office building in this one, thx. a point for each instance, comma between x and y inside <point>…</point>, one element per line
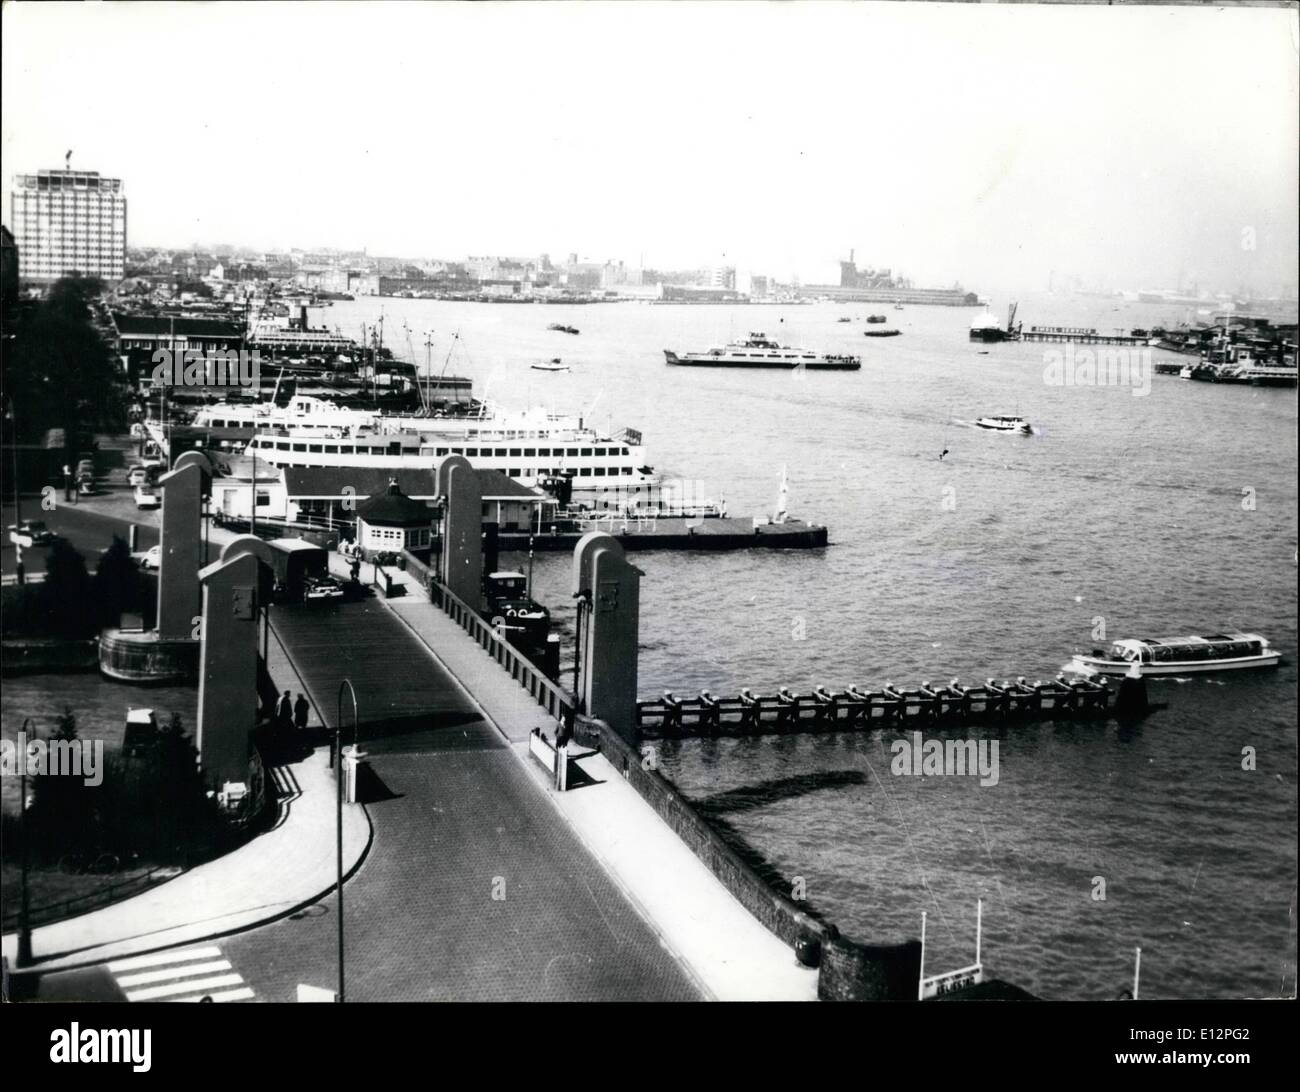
<point>69,220</point>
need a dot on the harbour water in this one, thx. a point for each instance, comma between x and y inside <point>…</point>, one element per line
<point>1173,512</point>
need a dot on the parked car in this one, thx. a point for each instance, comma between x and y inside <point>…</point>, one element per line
<point>145,497</point>
<point>138,475</point>
<point>30,532</point>
<point>151,558</point>
<point>321,587</point>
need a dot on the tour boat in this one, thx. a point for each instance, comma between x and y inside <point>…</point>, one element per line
<point>760,351</point>
<point>1005,424</point>
<point>1178,655</point>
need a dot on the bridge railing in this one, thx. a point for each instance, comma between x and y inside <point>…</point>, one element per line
<point>854,708</point>
<point>558,702</point>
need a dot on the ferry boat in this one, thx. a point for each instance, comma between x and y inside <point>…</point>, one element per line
<point>887,331</point>
<point>528,446</point>
<point>1178,655</point>
<point>760,351</point>
<point>1005,424</point>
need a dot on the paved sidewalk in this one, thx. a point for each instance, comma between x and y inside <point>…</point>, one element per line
<point>727,951</point>
<point>290,866</point>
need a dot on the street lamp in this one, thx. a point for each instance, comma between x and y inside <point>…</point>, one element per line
<point>24,957</point>
<point>13,442</point>
<point>346,684</point>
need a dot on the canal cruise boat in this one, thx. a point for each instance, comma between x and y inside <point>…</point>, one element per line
<point>1178,655</point>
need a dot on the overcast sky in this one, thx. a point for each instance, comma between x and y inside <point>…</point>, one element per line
<point>990,144</point>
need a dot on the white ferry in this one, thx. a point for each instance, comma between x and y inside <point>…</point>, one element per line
<point>1005,424</point>
<point>1178,655</point>
<point>303,412</point>
<point>760,351</point>
<point>528,446</point>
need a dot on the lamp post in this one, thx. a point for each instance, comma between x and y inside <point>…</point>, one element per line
<point>24,955</point>
<point>13,447</point>
<point>346,684</point>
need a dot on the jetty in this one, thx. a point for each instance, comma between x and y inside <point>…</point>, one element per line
<point>1077,336</point>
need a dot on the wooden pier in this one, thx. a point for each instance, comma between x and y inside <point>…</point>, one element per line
<point>855,710</point>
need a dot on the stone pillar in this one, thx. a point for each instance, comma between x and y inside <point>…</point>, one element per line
<point>181,542</point>
<point>235,591</point>
<point>462,529</point>
<point>611,589</point>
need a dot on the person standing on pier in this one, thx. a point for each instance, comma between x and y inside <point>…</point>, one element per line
<point>300,712</point>
<point>284,713</point>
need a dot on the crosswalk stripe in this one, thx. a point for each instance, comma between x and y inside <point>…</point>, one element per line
<point>146,977</point>
<point>149,993</point>
<point>222,995</point>
<point>160,958</point>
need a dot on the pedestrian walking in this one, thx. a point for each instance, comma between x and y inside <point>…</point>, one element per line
<point>300,712</point>
<point>284,713</point>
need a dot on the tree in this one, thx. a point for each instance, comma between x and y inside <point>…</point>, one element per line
<point>62,812</point>
<point>60,371</point>
<point>66,607</point>
<point>117,583</point>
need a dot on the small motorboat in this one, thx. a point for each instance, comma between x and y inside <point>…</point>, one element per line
<point>560,328</point>
<point>1005,424</point>
<point>875,318</point>
<point>844,318</point>
<point>555,364</point>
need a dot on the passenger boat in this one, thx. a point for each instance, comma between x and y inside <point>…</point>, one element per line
<point>875,318</point>
<point>528,446</point>
<point>760,351</point>
<point>1005,424</point>
<point>1178,655</point>
<point>887,332</point>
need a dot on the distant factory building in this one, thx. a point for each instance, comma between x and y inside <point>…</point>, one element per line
<point>69,221</point>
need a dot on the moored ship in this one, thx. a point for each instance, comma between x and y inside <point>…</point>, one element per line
<point>760,351</point>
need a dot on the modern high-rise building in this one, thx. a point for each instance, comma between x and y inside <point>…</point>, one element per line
<point>66,221</point>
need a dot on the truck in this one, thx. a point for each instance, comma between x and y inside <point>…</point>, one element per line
<point>301,571</point>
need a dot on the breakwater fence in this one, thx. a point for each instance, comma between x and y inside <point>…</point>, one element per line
<point>855,709</point>
<point>847,970</point>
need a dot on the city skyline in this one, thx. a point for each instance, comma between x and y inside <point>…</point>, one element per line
<point>778,140</point>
